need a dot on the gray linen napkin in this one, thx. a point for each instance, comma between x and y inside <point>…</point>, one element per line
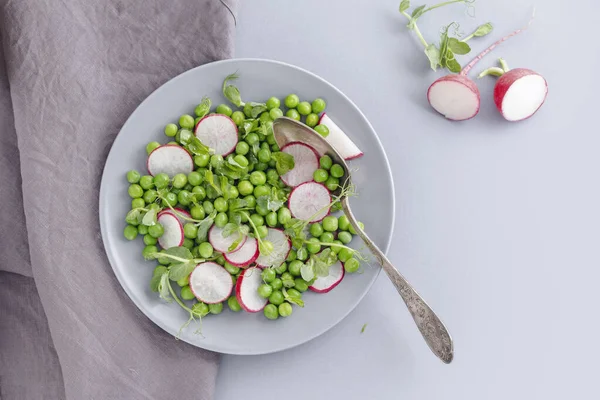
<point>71,72</point>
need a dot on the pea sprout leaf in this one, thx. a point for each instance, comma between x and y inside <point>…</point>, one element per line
<point>149,218</point>
<point>249,125</point>
<point>458,47</point>
<point>229,229</point>
<point>307,271</point>
<point>204,107</point>
<point>237,204</point>
<point>155,281</point>
<point>363,328</point>
<point>417,12</point>
<point>225,187</point>
<point>210,178</point>
<point>179,251</point>
<point>185,136</point>
<point>453,66</point>
<point>181,270</point>
<point>163,287</point>
<point>257,109</point>
<point>483,30</point>
<point>404,5</point>
<point>284,162</point>
<point>433,54</point>
<point>292,299</point>
<point>287,280</point>
<point>204,226</point>
<point>196,147</point>
<point>231,92</point>
<point>134,216</point>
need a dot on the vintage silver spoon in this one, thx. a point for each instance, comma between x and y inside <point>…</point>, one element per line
<point>434,332</point>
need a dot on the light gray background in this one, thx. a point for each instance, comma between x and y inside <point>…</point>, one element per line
<point>497,223</point>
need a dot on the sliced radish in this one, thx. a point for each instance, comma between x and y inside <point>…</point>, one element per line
<point>456,97</point>
<point>246,290</point>
<point>324,284</point>
<point>170,159</point>
<point>210,283</point>
<point>173,230</point>
<point>221,243</point>
<point>310,202</point>
<point>245,255</point>
<point>218,132</point>
<point>519,93</point>
<point>339,140</point>
<point>281,249</point>
<point>306,162</point>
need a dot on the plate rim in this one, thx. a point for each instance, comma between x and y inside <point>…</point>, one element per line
<point>102,220</point>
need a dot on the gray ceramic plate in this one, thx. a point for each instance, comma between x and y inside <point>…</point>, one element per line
<point>243,333</point>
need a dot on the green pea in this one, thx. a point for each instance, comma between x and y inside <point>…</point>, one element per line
<point>304,108</point>
<point>205,250</point>
<point>292,101</point>
<point>130,232</point>
<point>154,207</point>
<point>252,138</point>
<point>221,260</point>
<point>216,160</point>
<point>271,311</point>
<point>148,251</point>
<point>224,109</point>
<point>135,191</point>
<point>258,178</point>
<point>186,293</point>
<point>312,120</point>
<point>248,110</point>
<point>179,181</point>
<point>261,190</point>
<point>318,105</point>
<point>337,171</point>
<point>190,230</point>
<point>170,199</point>
<point>258,220</point>
<point>351,265</point>
<point>188,243</point>
<point>345,237</point>
<point>156,230</point>
<point>276,297</point>
<point>201,160</point>
<point>199,193</point>
<point>330,223</point>
<point>268,275</point>
<point>137,203</point>
<point>300,285</point>
<point>149,240</point>
<point>194,178</point>
<point>344,255</point>
<point>221,220</point>
<point>186,121</point>
<point>264,155</point>
<point>184,281</point>
<point>325,162</point>
<point>133,176</point>
<point>200,309</point>
<point>302,254</point>
<point>232,269</point>
<point>238,117</point>
<point>151,146</point>
<point>146,182</point>
<point>322,130</point>
<point>293,113</point>
<point>197,212</point>
<point>353,231</point>
<point>263,211</point>
<point>313,245</point>
<point>284,215</point>
<point>272,103</point>
<point>265,117</point>
<point>245,188</point>
<point>276,284</point>
<point>250,200</point>
<point>208,207</point>
<point>161,180</point>
<point>262,231</point>
<point>261,166</point>
<point>142,230</point>
<point>171,130</point>
<point>275,113</point>
<point>241,160</point>
<point>343,223</point>
<point>287,279</point>
<point>320,175</point>
<point>281,268</point>
<point>184,198</point>
<point>294,293</point>
<point>264,145</point>
<point>216,308</point>
<point>233,304</point>
<point>327,237</point>
<point>265,290</point>
<point>271,219</point>
<point>285,309</point>
<point>332,183</point>
<point>294,267</point>
<point>242,148</point>
<point>221,204</point>
<point>316,229</point>
<point>291,255</point>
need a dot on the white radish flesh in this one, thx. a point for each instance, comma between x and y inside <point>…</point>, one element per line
<point>339,140</point>
<point>210,283</point>
<point>306,162</point>
<point>324,284</point>
<point>170,159</point>
<point>310,202</point>
<point>519,93</point>
<point>173,230</point>
<point>245,255</point>
<point>281,249</point>
<point>221,243</point>
<point>218,132</point>
<point>246,290</point>
<point>456,97</point>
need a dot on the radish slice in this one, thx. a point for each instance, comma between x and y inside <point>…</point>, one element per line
<point>245,255</point>
<point>454,96</point>
<point>246,290</point>
<point>218,132</point>
<point>519,93</point>
<point>339,140</point>
<point>173,230</point>
<point>170,159</point>
<point>221,243</point>
<point>281,249</point>
<point>310,202</point>
<point>210,283</point>
<point>324,284</point>
<point>306,162</point>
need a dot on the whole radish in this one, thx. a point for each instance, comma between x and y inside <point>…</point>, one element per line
<point>456,96</point>
<point>519,93</point>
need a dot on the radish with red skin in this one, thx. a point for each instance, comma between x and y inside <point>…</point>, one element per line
<point>245,255</point>
<point>221,243</point>
<point>210,283</point>
<point>281,249</point>
<point>218,132</point>
<point>246,290</point>
<point>173,230</point>
<point>306,162</point>
<point>310,202</point>
<point>324,284</point>
<point>339,140</point>
<point>170,159</point>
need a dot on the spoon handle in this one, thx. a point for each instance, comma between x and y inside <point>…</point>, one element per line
<point>431,327</point>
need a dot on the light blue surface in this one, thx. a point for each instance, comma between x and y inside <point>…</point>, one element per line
<point>498,224</point>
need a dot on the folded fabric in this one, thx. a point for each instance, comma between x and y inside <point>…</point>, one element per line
<point>75,70</point>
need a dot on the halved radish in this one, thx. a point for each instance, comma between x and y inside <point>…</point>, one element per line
<point>339,140</point>
<point>246,290</point>
<point>218,132</point>
<point>245,255</point>
<point>281,249</point>
<point>210,283</point>
<point>306,162</point>
<point>519,93</point>
<point>221,243</point>
<point>456,97</point>
<point>324,284</point>
<point>310,202</point>
<point>170,159</point>
<point>173,230</point>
